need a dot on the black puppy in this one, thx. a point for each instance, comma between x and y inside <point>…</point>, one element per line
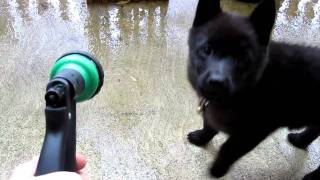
<point>250,86</point>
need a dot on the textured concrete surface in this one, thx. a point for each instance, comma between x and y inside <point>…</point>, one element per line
<point>136,127</point>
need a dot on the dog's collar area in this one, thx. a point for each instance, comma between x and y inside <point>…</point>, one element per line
<point>203,103</point>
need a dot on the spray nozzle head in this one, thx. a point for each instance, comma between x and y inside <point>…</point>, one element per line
<point>82,71</point>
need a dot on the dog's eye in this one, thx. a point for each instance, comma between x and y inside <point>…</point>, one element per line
<point>205,50</point>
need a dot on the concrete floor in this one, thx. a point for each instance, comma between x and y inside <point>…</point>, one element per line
<point>136,127</point>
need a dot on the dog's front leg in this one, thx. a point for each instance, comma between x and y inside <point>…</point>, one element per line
<point>234,148</point>
<point>202,136</point>
<point>315,175</point>
<point>303,139</point>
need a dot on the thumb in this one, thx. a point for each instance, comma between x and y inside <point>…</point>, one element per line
<point>62,175</point>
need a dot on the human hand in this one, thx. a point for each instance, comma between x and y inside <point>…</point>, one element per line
<point>27,170</point>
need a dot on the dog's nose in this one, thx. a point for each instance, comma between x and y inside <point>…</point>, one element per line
<point>216,85</point>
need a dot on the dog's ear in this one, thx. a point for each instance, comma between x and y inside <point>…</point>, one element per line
<point>262,19</point>
<point>206,11</point>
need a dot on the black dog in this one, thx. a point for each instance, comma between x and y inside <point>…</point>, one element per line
<point>250,85</point>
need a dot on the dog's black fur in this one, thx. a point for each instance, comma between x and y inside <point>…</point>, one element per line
<point>254,86</point>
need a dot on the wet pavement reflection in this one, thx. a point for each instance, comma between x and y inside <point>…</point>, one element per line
<point>136,127</point>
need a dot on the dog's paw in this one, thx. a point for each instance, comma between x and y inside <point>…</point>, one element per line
<point>312,176</point>
<point>296,141</point>
<point>217,172</point>
<point>196,138</point>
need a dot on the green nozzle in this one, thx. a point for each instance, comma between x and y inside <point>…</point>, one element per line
<point>89,69</point>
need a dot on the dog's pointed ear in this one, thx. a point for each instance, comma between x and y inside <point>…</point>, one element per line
<point>206,11</point>
<point>262,19</point>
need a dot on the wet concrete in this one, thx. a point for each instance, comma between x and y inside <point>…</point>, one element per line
<point>136,127</point>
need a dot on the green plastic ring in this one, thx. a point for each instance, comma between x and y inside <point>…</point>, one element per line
<point>89,68</point>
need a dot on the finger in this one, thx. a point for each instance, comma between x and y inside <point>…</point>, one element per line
<point>83,175</point>
<point>34,162</point>
<point>59,175</point>
<point>81,161</point>
<point>26,169</point>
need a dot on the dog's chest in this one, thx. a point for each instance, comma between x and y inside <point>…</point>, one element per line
<point>220,119</point>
